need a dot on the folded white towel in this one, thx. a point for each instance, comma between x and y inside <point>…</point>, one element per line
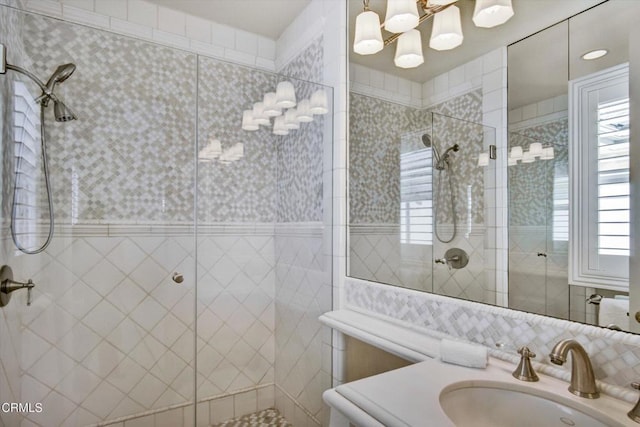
<point>464,354</point>
<point>614,312</point>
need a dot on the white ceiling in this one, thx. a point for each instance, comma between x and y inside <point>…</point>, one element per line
<point>268,18</point>
<point>530,16</point>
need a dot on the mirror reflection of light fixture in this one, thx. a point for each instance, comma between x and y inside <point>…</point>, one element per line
<point>483,159</point>
<point>258,114</point>
<point>535,148</point>
<point>409,50</point>
<point>403,16</point>
<point>516,153</point>
<point>270,107</point>
<point>319,104</point>
<point>278,126</point>
<point>291,120</point>
<point>511,162</point>
<point>447,30</point>
<point>285,95</point>
<point>304,113</point>
<point>247,121</point>
<point>491,13</point>
<point>527,157</point>
<point>547,153</point>
<point>594,54</point>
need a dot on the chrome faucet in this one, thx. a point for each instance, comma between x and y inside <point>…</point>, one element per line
<point>583,381</point>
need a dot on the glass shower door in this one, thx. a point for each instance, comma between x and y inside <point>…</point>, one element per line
<point>109,333</point>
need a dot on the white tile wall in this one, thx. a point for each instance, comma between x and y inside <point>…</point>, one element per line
<point>148,21</point>
<point>367,81</point>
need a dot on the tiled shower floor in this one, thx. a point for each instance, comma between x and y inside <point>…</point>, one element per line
<point>266,418</point>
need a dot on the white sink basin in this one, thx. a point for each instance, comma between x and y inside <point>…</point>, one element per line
<point>497,404</point>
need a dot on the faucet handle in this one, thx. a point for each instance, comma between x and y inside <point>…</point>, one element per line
<point>634,413</point>
<point>524,371</point>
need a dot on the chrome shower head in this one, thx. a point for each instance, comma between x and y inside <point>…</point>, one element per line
<point>62,112</point>
<point>62,73</point>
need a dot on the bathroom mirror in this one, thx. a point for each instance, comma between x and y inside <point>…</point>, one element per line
<point>541,63</point>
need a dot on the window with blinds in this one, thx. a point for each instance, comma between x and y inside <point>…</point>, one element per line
<point>26,136</point>
<point>613,178</point>
<point>416,193</point>
<point>560,208</point>
<point>599,182</point>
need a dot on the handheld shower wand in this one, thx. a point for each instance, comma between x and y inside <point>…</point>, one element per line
<point>62,113</point>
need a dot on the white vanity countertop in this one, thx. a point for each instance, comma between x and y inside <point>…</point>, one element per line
<point>410,396</point>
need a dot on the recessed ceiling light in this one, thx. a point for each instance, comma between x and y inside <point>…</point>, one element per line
<point>595,54</point>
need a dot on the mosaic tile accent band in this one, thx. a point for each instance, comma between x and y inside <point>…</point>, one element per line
<point>615,355</point>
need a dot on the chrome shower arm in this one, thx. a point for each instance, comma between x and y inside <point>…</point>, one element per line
<point>29,74</point>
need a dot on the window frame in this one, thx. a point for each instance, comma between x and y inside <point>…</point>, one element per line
<point>586,266</point>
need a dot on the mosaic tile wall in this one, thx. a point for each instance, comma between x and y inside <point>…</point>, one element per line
<point>379,131</point>
<point>615,355</point>
<point>375,131</point>
<point>538,284</point>
<point>244,190</point>
<point>111,156</point>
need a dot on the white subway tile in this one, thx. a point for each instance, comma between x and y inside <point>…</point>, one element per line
<point>492,81</point>
<point>85,17</point>
<point>529,111</point>
<point>80,4</point>
<point>493,100</point>
<point>515,115</point>
<point>428,89</point>
<point>239,57</point>
<point>171,21</point>
<point>473,69</point>
<point>561,103</point>
<point>266,398</point>
<point>390,83</point>
<point>545,107</point>
<point>207,49</point>
<point>170,39</point>
<point>223,35</point>
<point>202,414</point>
<point>171,418</point>
<point>456,77</point>
<point>46,7</point>
<point>492,61</point>
<point>441,84</point>
<point>130,28</point>
<point>113,8</point>
<point>147,421</point>
<point>245,403</point>
<point>198,29</point>
<point>266,48</point>
<point>361,74</point>
<point>416,90</point>
<point>246,42</point>
<point>143,13</point>
<point>404,87</point>
<point>377,79</point>
<point>266,64</point>
<point>221,409</point>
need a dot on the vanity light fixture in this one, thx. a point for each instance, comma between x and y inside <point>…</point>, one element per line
<point>319,104</point>
<point>270,107</point>
<point>547,153</point>
<point>247,121</point>
<point>535,149</point>
<point>279,127</point>
<point>403,17</point>
<point>594,54</point>
<point>285,95</point>
<point>258,114</point>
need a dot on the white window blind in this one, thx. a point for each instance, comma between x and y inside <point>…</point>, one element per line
<point>613,178</point>
<point>26,136</point>
<point>560,208</point>
<point>599,182</point>
<point>416,193</point>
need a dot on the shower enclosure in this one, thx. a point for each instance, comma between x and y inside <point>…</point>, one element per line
<point>189,261</point>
